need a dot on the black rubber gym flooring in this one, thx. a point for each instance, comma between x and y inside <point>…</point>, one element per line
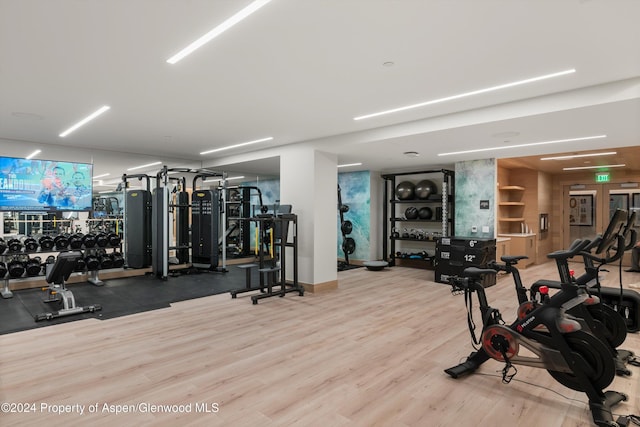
<point>119,297</point>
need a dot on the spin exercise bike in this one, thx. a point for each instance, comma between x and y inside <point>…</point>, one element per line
<point>601,320</point>
<point>560,344</point>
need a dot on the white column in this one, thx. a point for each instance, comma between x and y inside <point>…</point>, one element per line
<point>308,181</point>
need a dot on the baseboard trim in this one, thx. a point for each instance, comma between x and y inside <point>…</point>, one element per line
<point>320,287</point>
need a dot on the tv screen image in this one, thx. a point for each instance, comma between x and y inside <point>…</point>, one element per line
<point>44,185</point>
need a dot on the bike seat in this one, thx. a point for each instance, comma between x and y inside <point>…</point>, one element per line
<point>512,259</point>
<point>477,272</point>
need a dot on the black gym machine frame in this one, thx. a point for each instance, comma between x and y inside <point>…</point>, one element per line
<point>149,242</point>
<point>272,272</point>
<point>564,345</point>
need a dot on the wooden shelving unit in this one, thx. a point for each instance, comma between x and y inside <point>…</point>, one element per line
<point>511,208</point>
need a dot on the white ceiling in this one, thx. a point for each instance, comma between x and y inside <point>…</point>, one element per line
<point>300,70</point>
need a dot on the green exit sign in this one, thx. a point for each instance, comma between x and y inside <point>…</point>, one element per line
<point>602,177</point>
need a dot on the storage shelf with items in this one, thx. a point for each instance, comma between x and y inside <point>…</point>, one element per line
<point>418,209</point>
<point>511,208</point>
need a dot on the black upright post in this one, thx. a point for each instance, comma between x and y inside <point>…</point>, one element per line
<point>182,227</point>
<point>205,218</point>
<point>138,233</point>
<point>157,237</point>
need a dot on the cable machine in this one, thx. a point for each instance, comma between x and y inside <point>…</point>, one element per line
<point>137,210</point>
<point>208,221</point>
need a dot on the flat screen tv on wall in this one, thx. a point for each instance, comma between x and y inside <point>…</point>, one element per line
<point>44,185</point>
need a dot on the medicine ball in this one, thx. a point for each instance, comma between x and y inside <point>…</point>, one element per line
<point>3,270</point>
<point>425,212</point>
<point>347,227</point>
<point>411,213</point>
<point>349,245</point>
<point>405,190</point>
<point>425,188</point>
<point>3,245</point>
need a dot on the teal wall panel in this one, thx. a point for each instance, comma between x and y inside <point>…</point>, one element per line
<point>356,193</point>
<point>475,184</point>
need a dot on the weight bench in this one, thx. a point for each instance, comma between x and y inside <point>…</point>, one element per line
<point>56,275</point>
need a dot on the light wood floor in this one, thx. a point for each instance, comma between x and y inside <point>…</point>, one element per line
<point>371,353</point>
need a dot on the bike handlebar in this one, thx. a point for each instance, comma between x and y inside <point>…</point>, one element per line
<point>576,247</point>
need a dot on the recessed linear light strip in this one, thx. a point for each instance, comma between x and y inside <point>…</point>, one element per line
<point>575,156</point>
<point>594,167</point>
<point>85,120</point>
<point>144,166</point>
<point>463,95</point>
<point>230,22</point>
<point>504,147</point>
<point>101,176</point>
<point>220,179</point>
<point>32,155</point>
<point>349,164</point>
<point>237,145</point>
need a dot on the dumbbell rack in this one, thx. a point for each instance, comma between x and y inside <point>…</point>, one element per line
<point>54,246</point>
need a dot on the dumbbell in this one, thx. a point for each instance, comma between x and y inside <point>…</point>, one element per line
<point>3,245</point>
<point>75,241</point>
<point>92,262</point>
<point>80,264</point>
<point>3,270</point>
<point>89,240</point>
<point>101,240</point>
<point>105,261</point>
<point>118,260</point>
<point>46,243</point>
<point>33,266</point>
<point>16,268</point>
<point>114,239</point>
<point>30,244</point>
<point>50,260</point>
<point>61,242</point>
<point>15,245</point>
